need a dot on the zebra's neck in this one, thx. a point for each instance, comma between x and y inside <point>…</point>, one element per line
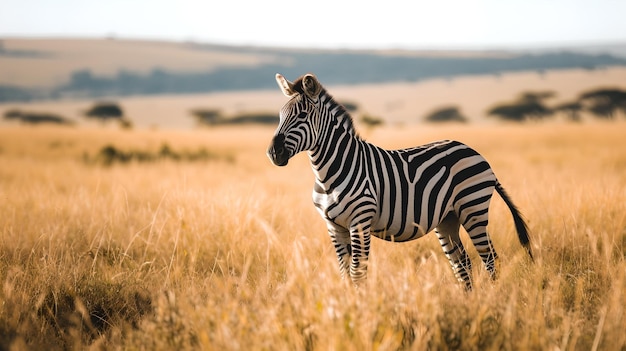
<point>337,142</point>
<point>336,114</point>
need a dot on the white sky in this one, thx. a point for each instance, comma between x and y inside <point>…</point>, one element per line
<point>325,23</point>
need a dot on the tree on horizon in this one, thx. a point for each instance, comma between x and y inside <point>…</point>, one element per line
<point>605,102</point>
<point>446,114</point>
<point>529,106</point>
<point>105,111</point>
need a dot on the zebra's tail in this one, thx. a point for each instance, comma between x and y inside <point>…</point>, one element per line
<point>520,225</point>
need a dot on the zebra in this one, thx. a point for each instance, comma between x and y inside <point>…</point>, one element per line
<point>362,190</point>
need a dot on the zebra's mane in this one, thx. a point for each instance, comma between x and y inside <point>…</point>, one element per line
<point>337,110</point>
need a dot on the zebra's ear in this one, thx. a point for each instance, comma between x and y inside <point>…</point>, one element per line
<point>311,85</point>
<point>285,85</point>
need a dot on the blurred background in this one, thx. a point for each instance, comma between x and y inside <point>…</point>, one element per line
<point>138,210</point>
<point>190,63</point>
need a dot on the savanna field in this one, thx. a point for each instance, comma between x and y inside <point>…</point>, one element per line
<point>190,239</point>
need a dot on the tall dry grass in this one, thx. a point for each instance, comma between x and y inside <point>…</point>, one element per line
<point>230,253</point>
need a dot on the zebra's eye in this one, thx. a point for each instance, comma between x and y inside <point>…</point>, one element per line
<point>302,115</point>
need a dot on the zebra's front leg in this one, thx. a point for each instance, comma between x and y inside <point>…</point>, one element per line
<point>360,249</point>
<point>341,241</point>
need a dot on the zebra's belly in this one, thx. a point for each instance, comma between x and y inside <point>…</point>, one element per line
<point>399,231</point>
<point>404,224</point>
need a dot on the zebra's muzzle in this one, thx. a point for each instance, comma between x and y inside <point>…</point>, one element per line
<point>277,152</point>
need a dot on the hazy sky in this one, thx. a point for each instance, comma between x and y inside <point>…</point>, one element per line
<point>325,23</point>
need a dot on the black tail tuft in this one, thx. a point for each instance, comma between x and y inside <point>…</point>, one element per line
<point>520,225</point>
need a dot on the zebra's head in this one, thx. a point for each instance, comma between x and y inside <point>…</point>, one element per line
<point>299,119</point>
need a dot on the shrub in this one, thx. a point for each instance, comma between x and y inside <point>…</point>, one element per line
<point>36,117</point>
<point>105,111</point>
<point>572,109</point>
<point>529,105</point>
<point>211,117</point>
<point>207,116</point>
<point>371,121</point>
<point>350,106</point>
<point>109,154</point>
<point>446,114</point>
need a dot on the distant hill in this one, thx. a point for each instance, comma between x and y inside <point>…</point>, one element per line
<point>36,69</point>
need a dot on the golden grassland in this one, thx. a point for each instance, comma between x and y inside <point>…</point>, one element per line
<point>228,253</point>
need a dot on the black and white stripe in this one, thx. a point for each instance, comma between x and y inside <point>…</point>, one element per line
<point>397,195</point>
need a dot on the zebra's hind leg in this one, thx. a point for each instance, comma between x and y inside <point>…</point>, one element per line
<point>448,233</point>
<point>476,226</point>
